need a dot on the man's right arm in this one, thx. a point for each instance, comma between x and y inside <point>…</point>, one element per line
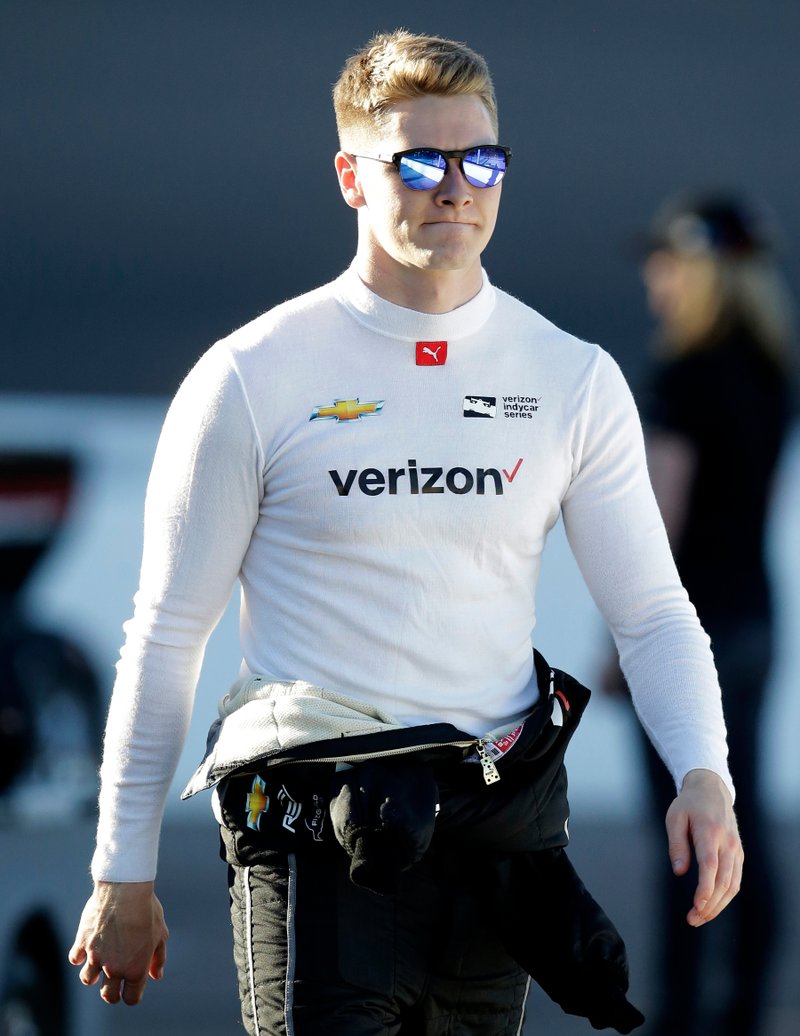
<point>202,504</point>
<point>121,939</point>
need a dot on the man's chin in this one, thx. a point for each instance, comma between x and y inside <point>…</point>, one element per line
<point>448,260</point>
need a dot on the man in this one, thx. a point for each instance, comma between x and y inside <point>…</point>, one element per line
<point>388,549</point>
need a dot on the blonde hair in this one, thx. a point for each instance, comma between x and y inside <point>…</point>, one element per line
<point>398,66</point>
<point>746,292</point>
<point>753,291</point>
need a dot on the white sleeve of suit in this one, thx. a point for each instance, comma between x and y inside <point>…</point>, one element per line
<point>202,503</point>
<point>617,535</point>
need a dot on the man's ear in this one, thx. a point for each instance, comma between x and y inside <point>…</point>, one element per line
<point>349,182</point>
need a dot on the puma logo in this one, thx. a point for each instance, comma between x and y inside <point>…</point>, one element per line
<point>431,354</point>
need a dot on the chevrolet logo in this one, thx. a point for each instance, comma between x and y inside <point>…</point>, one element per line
<point>257,804</point>
<point>347,410</point>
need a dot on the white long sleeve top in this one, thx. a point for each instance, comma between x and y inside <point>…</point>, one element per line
<point>382,483</point>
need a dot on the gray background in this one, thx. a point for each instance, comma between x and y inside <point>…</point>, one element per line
<point>167,167</point>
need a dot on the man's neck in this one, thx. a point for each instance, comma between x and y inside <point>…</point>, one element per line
<point>427,291</point>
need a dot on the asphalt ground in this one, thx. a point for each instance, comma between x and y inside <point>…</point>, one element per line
<point>616,861</point>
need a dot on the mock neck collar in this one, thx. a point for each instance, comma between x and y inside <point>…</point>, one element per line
<point>387,318</point>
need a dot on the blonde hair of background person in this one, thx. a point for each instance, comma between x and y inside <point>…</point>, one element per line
<point>718,288</point>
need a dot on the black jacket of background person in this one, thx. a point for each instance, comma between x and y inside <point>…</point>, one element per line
<point>732,403</point>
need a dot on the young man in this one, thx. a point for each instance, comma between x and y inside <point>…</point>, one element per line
<point>388,546</point>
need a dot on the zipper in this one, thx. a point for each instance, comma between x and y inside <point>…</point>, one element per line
<point>490,772</point>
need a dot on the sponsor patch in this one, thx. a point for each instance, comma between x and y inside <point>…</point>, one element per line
<point>346,410</point>
<point>292,810</point>
<point>480,406</point>
<point>521,406</point>
<point>257,804</point>
<point>431,354</point>
<point>432,479</point>
<point>497,749</point>
<point>316,821</point>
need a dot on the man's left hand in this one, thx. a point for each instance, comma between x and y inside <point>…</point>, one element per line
<point>702,818</point>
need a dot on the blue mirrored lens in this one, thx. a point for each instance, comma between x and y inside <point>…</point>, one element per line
<point>484,166</point>
<point>422,170</point>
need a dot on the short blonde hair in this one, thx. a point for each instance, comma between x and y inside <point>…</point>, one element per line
<point>400,65</point>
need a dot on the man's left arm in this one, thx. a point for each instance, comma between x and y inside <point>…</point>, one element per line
<point>618,538</point>
<point>701,819</point>
<point>702,816</point>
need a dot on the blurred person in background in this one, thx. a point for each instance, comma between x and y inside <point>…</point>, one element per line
<point>716,413</point>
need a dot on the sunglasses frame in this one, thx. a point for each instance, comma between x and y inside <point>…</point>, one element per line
<point>398,156</point>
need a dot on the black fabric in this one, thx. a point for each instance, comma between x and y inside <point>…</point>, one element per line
<point>318,956</point>
<point>564,939</point>
<point>733,406</point>
<point>383,814</point>
<point>526,810</point>
<point>285,808</point>
<point>496,846</point>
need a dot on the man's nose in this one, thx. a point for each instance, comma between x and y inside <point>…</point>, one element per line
<point>454,189</point>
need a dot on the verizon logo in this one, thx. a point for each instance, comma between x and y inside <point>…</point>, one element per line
<point>416,480</point>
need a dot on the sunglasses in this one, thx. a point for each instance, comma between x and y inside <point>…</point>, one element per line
<point>423,168</point>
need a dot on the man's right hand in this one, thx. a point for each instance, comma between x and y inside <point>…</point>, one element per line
<point>121,938</point>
